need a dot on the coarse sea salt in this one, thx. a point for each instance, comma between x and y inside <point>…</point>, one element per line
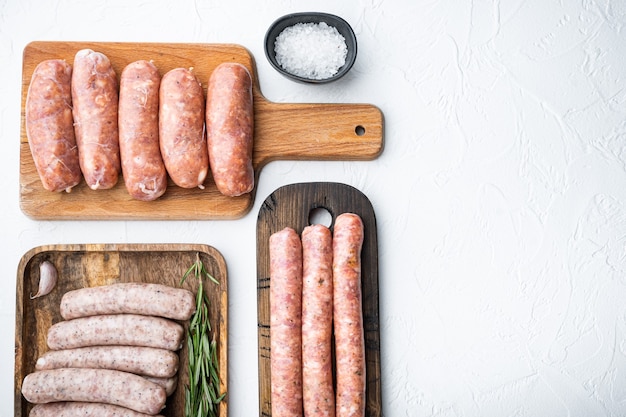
<point>311,50</point>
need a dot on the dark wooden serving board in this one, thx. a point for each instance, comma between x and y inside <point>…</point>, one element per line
<point>293,131</point>
<point>292,206</point>
<point>91,265</point>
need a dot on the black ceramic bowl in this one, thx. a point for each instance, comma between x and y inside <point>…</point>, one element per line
<point>286,21</point>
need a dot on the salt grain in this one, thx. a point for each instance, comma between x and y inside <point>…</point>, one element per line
<point>311,50</point>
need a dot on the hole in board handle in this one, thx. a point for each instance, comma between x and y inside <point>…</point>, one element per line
<point>359,130</point>
<point>320,215</point>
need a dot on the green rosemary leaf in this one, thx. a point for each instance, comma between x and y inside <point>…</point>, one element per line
<point>202,394</point>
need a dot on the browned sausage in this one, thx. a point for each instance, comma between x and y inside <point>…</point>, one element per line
<point>116,329</point>
<point>230,128</point>
<point>94,385</point>
<point>348,316</point>
<point>50,126</point>
<point>317,321</point>
<point>181,128</point>
<point>286,323</point>
<point>130,297</point>
<point>142,165</point>
<point>140,360</point>
<point>95,100</point>
<point>83,409</point>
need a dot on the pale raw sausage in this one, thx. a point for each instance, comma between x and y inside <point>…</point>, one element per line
<point>50,126</point>
<point>348,234</point>
<point>94,385</point>
<point>142,165</point>
<point>317,319</point>
<point>169,384</point>
<point>285,249</point>
<point>130,297</point>
<point>116,329</point>
<point>230,128</point>
<point>140,360</point>
<point>83,409</point>
<point>181,128</point>
<point>95,100</point>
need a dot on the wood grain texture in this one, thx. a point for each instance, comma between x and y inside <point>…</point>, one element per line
<point>91,265</point>
<point>296,131</point>
<point>292,206</point>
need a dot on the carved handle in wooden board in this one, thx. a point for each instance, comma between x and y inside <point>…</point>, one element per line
<point>317,132</point>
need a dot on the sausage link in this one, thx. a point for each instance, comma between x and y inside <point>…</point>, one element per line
<point>286,323</point>
<point>169,384</point>
<point>230,128</point>
<point>140,360</point>
<point>116,329</point>
<point>132,298</point>
<point>50,126</point>
<point>83,409</point>
<point>181,128</point>
<point>94,385</point>
<point>348,315</point>
<point>142,165</point>
<point>317,321</point>
<point>95,100</point>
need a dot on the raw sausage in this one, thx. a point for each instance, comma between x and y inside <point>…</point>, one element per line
<point>142,165</point>
<point>181,128</point>
<point>348,316</point>
<point>94,385</point>
<point>230,128</point>
<point>50,126</point>
<point>168,383</point>
<point>140,360</point>
<point>83,409</point>
<point>95,100</point>
<point>116,329</point>
<point>286,323</point>
<point>131,297</point>
<point>317,321</point>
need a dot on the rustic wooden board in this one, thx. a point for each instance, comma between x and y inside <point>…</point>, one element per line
<point>91,265</point>
<point>293,205</point>
<point>298,131</point>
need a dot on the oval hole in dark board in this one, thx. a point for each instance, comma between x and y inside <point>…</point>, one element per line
<point>320,215</point>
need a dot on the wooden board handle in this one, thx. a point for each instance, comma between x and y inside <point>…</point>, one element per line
<point>288,131</point>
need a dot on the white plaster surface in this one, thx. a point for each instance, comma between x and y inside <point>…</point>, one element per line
<point>500,195</point>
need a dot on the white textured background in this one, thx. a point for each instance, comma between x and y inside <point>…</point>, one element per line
<point>500,194</point>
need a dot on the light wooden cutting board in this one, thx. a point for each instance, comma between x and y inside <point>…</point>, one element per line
<point>283,131</point>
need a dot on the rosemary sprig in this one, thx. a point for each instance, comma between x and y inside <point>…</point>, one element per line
<point>202,394</point>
